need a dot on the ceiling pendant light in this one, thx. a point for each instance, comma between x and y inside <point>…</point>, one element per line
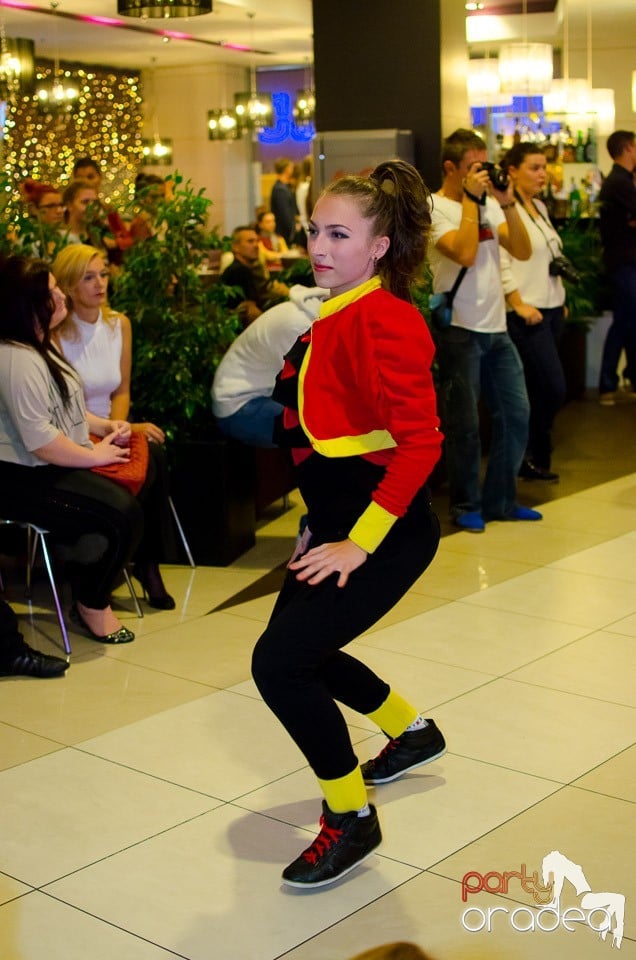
<point>525,69</point>
<point>484,87</point>
<point>163,8</point>
<point>61,94</point>
<point>253,109</point>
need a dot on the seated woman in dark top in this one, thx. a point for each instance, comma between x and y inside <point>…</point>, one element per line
<point>46,454</point>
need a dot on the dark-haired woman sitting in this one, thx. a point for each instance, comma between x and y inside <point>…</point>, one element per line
<point>46,454</point>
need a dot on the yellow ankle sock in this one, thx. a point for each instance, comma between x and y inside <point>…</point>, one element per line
<point>395,715</point>
<point>345,793</point>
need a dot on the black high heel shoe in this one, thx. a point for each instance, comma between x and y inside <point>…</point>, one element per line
<point>123,635</point>
<point>154,590</point>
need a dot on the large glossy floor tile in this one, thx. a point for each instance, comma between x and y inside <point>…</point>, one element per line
<point>614,558</point>
<point>611,519</point>
<point>561,595</point>
<point>588,829</point>
<point>108,806</point>
<point>537,543</point>
<point>9,890</point>
<point>593,666</point>
<point>424,815</point>
<point>211,888</point>
<point>615,778</point>
<point>476,638</point>
<point>542,732</point>
<point>37,927</point>
<point>409,606</point>
<point>624,625</point>
<point>215,649</point>
<point>428,910</point>
<point>17,746</point>
<point>622,490</point>
<point>453,574</point>
<point>95,695</point>
<point>224,745</point>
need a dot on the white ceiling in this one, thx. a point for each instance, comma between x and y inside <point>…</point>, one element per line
<point>280,30</point>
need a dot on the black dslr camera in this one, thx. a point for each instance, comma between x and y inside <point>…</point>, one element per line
<point>561,267</point>
<point>498,177</point>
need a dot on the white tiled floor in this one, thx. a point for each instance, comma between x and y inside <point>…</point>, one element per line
<point>149,799</point>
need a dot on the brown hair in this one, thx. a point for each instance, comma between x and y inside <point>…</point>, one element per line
<point>395,198</point>
<point>400,950</point>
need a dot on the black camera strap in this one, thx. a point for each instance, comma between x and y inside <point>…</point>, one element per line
<point>548,239</point>
<point>453,290</point>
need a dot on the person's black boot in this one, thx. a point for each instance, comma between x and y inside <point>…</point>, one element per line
<point>344,841</point>
<point>411,749</point>
<point>21,660</point>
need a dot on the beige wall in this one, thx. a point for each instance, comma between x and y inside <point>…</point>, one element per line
<point>453,66</point>
<point>183,96</point>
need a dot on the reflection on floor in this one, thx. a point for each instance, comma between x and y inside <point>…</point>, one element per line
<point>149,799</point>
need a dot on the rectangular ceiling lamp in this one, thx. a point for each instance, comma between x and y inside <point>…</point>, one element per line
<point>163,8</point>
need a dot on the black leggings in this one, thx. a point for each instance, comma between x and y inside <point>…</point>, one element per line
<point>97,522</point>
<point>298,663</point>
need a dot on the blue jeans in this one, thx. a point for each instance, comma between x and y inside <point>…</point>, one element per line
<point>473,365</point>
<point>253,423</point>
<point>622,333</point>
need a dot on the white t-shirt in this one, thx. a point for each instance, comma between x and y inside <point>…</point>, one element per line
<point>94,349</point>
<point>32,412</point>
<point>250,366</point>
<point>479,303</point>
<point>532,277</point>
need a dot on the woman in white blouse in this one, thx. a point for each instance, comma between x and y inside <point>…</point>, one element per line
<point>535,296</point>
<point>98,342</point>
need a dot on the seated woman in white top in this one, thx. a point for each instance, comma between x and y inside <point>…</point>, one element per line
<point>46,454</point>
<point>98,342</point>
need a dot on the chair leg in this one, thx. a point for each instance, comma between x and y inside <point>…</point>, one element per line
<point>56,599</point>
<point>135,599</point>
<point>32,547</point>
<point>186,545</point>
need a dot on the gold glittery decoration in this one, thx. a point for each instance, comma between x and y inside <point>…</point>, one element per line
<point>106,124</point>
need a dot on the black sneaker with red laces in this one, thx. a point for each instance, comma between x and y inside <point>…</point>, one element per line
<point>411,749</point>
<point>344,841</point>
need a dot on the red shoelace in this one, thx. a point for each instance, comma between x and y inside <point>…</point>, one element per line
<point>323,841</point>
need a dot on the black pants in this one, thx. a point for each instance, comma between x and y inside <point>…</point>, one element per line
<point>298,663</point>
<point>10,636</point>
<point>538,346</point>
<point>158,544</point>
<point>98,523</point>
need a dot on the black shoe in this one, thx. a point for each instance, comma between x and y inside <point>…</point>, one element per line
<point>411,749</point>
<point>155,592</point>
<point>123,635</point>
<point>26,662</point>
<point>344,841</point>
<point>530,471</point>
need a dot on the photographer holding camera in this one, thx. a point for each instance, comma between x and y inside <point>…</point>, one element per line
<point>473,213</point>
<point>536,296</point>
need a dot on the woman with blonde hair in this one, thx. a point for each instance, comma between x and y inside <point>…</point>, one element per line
<point>98,342</point>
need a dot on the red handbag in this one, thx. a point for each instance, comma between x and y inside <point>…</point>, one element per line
<point>131,473</point>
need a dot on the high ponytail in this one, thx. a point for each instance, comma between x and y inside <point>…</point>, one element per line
<point>395,198</point>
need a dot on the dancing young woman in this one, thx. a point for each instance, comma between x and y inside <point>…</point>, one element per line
<point>361,384</point>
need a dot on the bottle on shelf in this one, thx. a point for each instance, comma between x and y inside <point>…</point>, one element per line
<point>516,136</point>
<point>579,151</point>
<point>574,200</point>
<point>569,149</point>
<point>590,147</point>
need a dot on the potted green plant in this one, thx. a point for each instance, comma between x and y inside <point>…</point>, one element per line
<point>584,300</point>
<point>182,325</point>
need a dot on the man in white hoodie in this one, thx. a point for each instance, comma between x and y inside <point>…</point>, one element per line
<point>243,384</point>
